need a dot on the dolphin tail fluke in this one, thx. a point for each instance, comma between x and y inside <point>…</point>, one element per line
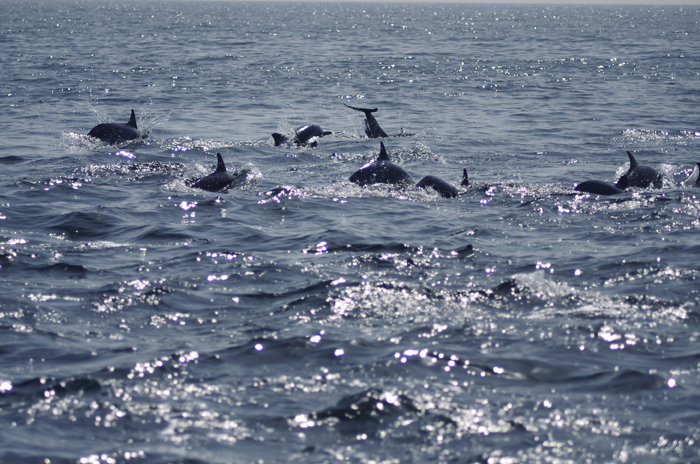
<point>132,120</point>
<point>633,162</point>
<point>383,155</point>
<point>220,166</point>
<point>279,139</point>
<point>364,110</point>
<point>465,179</point>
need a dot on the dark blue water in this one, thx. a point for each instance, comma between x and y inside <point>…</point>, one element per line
<point>300,318</point>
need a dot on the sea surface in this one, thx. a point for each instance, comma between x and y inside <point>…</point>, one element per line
<point>297,317</point>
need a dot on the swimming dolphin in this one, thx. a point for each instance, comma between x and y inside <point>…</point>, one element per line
<point>441,187</point>
<point>598,187</point>
<point>636,176</point>
<point>693,179</point>
<point>219,179</point>
<point>381,171</point>
<point>302,135</point>
<point>639,176</point>
<point>114,133</point>
<point>372,128</point>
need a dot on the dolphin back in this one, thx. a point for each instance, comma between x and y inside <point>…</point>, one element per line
<point>218,180</point>
<point>382,171</point>
<point>642,176</point>
<point>306,133</point>
<point>114,133</point>
<point>440,186</point>
<point>598,187</point>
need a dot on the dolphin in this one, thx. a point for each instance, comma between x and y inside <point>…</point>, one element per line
<point>639,176</point>
<point>114,133</point>
<point>598,187</point>
<point>219,179</point>
<point>636,176</point>
<point>693,179</point>
<point>302,135</point>
<point>372,128</point>
<point>441,187</point>
<point>381,171</point>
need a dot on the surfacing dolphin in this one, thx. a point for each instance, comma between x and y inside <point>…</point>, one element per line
<point>220,179</point>
<point>636,176</point>
<point>302,135</point>
<point>372,128</point>
<point>443,188</point>
<point>114,133</point>
<point>639,176</point>
<point>381,171</point>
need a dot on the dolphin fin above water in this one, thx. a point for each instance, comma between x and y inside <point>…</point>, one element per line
<point>383,154</point>
<point>218,180</point>
<point>639,176</point>
<point>465,179</point>
<point>132,120</point>
<point>114,133</point>
<point>381,171</point>
<point>279,138</point>
<point>372,128</point>
<point>220,166</point>
<point>636,176</point>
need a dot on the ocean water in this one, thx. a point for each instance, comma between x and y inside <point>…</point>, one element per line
<point>300,318</point>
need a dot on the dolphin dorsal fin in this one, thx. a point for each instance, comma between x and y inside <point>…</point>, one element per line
<point>465,178</point>
<point>220,166</point>
<point>132,120</point>
<point>383,155</point>
<point>633,162</point>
